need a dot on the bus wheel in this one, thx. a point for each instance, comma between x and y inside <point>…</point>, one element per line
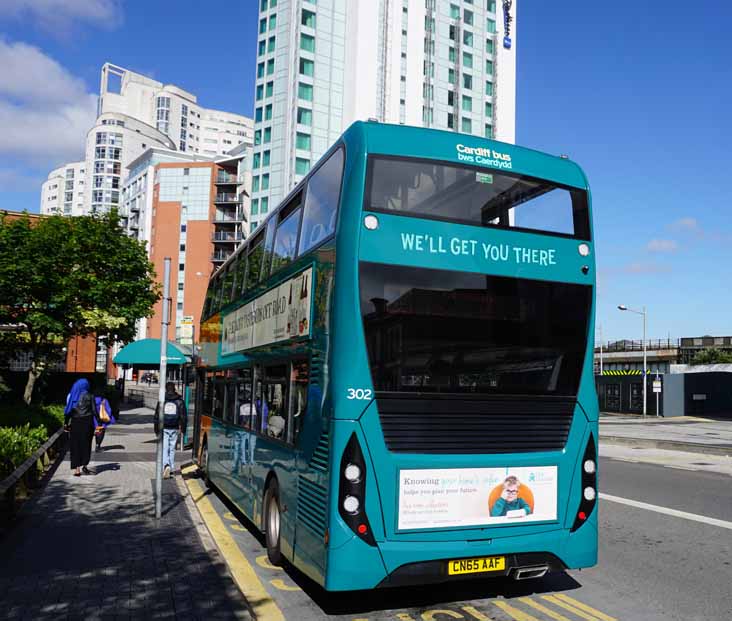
<point>272,523</point>
<point>204,464</point>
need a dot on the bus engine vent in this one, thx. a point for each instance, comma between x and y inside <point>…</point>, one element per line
<point>311,503</point>
<point>435,423</point>
<point>316,368</point>
<point>319,460</point>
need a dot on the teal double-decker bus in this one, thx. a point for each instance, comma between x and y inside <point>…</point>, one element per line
<point>397,382</point>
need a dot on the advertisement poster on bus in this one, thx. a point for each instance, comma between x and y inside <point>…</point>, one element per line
<point>279,314</point>
<point>459,497</point>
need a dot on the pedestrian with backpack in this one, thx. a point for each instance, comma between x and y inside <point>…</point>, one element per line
<point>79,423</point>
<point>175,419</point>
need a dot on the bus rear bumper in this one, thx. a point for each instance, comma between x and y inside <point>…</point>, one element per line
<point>426,562</point>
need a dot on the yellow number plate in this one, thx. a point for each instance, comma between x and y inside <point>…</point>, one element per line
<point>476,565</point>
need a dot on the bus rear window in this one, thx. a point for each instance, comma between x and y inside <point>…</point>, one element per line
<point>478,196</point>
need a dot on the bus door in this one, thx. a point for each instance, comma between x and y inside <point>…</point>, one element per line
<point>216,437</point>
<point>242,438</point>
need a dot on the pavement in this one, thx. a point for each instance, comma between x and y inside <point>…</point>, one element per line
<point>90,547</point>
<point>680,442</point>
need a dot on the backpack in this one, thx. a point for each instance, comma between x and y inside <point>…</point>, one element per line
<point>170,414</point>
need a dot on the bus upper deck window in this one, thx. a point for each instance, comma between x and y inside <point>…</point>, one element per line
<point>321,202</point>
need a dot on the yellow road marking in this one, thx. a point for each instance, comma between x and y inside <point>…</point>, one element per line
<point>189,469</point>
<point>517,614</point>
<point>236,527</point>
<point>585,607</point>
<point>230,516</point>
<point>558,602</point>
<point>403,616</point>
<point>243,573</point>
<point>537,606</point>
<point>278,583</point>
<point>429,615</point>
<point>476,613</point>
<point>263,562</point>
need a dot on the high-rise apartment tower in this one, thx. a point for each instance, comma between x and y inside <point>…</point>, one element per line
<point>448,64</point>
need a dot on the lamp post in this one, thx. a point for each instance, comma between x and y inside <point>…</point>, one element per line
<point>622,307</point>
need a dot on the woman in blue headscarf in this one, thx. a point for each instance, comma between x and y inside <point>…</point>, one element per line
<point>79,420</point>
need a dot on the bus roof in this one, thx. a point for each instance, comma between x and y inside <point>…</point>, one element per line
<point>449,146</point>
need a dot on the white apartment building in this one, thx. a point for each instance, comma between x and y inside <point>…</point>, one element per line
<point>63,191</point>
<point>136,113</point>
<point>447,64</point>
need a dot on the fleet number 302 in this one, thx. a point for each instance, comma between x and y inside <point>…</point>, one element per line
<point>359,394</point>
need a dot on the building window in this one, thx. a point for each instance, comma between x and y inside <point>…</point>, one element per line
<point>307,67</point>
<point>255,207</point>
<point>468,38</point>
<point>256,160</point>
<point>451,56</point>
<point>257,136</point>
<point>267,134</point>
<point>467,81</point>
<point>264,205</point>
<point>450,98</point>
<point>454,12</point>
<point>468,17</point>
<point>488,109</point>
<point>265,158</point>
<point>308,18</point>
<point>262,25</point>
<point>488,130</point>
<point>489,46</point>
<point>451,120</point>
<point>467,104</point>
<point>491,6</point>
<point>269,90</point>
<point>262,48</point>
<point>467,126</point>
<point>490,25</point>
<point>260,70</point>
<point>268,112</point>
<point>451,76</point>
<point>255,184</point>
<point>489,88</point>
<point>302,166</point>
<point>307,43</point>
<point>265,181</point>
<point>271,45</point>
<point>263,5</point>
<point>467,60</point>
<point>258,115</point>
<point>489,67</point>
<point>304,116</point>
<point>273,22</point>
<point>260,92</point>
<point>270,66</point>
<point>302,141</point>
<point>305,91</point>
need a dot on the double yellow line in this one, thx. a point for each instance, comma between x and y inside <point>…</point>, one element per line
<point>241,570</point>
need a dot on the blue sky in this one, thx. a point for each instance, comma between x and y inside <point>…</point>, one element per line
<point>637,93</point>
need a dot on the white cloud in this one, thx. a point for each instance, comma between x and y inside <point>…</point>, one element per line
<point>45,111</point>
<point>58,17</point>
<point>686,224</point>
<point>662,245</point>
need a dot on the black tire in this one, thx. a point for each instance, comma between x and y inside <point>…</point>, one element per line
<point>273,523</point>
<point>204,465</point>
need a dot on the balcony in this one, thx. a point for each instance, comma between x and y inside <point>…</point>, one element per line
<point>227,237</point>
<point>220,257</point>
<point>227,216</point>
<point>225,197</point>
<point>226,179</point>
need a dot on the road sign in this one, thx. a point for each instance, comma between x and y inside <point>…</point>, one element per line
<point>656,385</point>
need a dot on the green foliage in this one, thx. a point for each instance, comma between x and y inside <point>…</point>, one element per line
<point>61,277</point>
<point>51,417</point>
<point>712,356</point>
<point>17,444</point>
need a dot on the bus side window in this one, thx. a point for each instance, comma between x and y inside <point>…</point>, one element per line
<point>258,394</point>
<point>298,397</point>
<point>274,402</point>
<point>228,285</point>
<point>254,260</point>
<point>321,202</point>
<point>230,404</point>
<point>268,243</point>
<point>218,397</point>
<point>207,397</point>
<point>241,274</point>
<point>244,409</point>
<point>285,244</point>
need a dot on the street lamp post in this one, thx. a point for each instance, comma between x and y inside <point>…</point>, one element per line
<point>622,307</point>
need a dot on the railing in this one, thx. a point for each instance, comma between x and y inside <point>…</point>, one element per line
<point>653,345</point>
<point>226,179</point>
<point>227,237</point>
<point>220,256</point>
<point>226,217</point>
<point>27,472</point>
<point>225,198</point>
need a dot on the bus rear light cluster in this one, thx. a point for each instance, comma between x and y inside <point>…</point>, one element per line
<point>352,491</point>
<point>589,485</point>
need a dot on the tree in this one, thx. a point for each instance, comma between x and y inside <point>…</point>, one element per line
<point>62,277</point>
<point>711,356</point>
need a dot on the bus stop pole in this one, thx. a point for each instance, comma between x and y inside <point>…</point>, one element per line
<point>164,322</point>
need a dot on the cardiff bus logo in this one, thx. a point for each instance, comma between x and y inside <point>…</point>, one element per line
<point>507,19</point>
